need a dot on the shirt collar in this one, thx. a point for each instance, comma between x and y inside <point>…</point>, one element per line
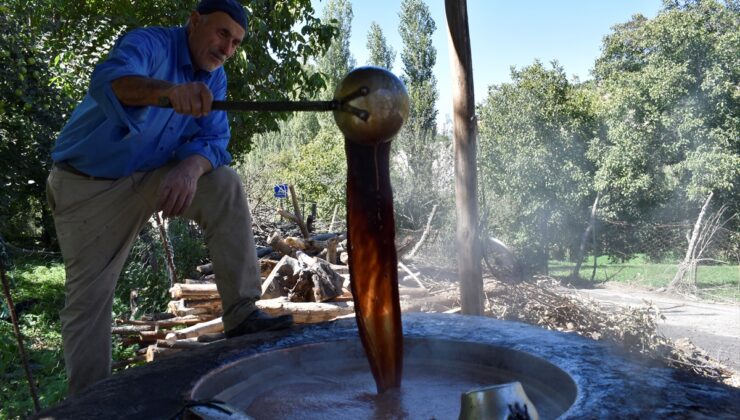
<point>183,55</point>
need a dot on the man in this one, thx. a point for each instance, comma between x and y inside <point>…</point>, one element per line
<point>120,158</point>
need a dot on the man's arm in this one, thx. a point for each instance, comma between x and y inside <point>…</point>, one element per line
<point>193,98</point>
<point>178,187</point>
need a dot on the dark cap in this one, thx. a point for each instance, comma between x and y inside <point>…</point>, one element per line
<point>231,7</point>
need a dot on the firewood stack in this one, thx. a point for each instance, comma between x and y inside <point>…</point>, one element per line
<point>310,288</point>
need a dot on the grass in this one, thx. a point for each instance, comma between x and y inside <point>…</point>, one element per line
<point>721,282</point>
<point>37,288</point>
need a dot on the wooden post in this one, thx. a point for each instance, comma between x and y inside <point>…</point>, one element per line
<point>466,195</point>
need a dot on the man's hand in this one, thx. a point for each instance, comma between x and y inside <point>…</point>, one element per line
<point>177,189</point>
<point>194,98</point>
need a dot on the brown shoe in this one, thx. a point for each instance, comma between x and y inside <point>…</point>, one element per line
<point>259,321</point>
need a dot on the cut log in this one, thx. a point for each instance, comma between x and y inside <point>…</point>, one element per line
<point>212,326</point>
<point>187,343</point>
<point>194,291</point>
<point>313,246</point>
<point>169,323</point>
<point>183,308</point>
<point>131,329</point>
<point>132,340</point>
<point>278,244</point>
<point>282,278</point>
<point>306,279</point>
<point>158,316</point>
<point>340,269</point>
<point>296,243</point>
<point>152,336</point>
<point>306,312</point>
<point>155,353</point>
<point>205,280</point>
<point>213,305</point>
<point>143,338</point>
<point>205,268</point>
<point>412,291</point>
<point>326,284</point>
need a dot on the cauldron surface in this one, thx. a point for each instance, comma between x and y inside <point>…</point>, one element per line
<point>332,380</point>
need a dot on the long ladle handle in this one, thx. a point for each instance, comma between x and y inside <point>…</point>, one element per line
<point>266,106</point>
<point>288,106</point>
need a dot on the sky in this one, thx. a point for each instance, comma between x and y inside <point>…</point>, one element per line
<point>504,34</point>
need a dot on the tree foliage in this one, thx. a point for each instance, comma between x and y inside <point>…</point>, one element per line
<point>419,57</point>
<point>32,110</point>
<point>380,53</point>
<point>307,150</point>
<point>671,105</point>
<point>337,61</point>
<point>653,134</point>
<point>419,149</point>
<point>535,178</point>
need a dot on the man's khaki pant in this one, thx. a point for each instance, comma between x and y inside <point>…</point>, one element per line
<point>97,222</point>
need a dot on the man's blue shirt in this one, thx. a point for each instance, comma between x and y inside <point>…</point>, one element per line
<point>107,139</point>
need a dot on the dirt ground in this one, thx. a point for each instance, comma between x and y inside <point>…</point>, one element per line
<point>714,327</point>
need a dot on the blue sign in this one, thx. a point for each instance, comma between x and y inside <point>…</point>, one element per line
<point>281,190</point>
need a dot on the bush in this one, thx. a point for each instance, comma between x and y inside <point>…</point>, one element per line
<point>37,287</point>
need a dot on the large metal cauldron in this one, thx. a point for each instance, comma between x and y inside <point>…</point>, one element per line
<point>577,377</point>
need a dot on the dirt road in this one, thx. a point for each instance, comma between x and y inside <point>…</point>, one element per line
<point>714,327</point>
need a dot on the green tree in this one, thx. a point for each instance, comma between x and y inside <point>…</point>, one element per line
<point>319,169</point>
<point>32,110</point>
<point>535,178</point>
<point>671,105</point>
<point>337,61</point>
<point>419,57</point>
<point>418,147</point>
<point>307,150</point>
<point>381,54</point>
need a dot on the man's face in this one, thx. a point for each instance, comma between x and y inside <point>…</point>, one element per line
<point>213,39</point>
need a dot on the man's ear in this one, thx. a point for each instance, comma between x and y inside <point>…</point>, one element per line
<point>194,18</point>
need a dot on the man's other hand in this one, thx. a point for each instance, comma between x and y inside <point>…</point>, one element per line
<point>192,98</point>
<point>177,189</point>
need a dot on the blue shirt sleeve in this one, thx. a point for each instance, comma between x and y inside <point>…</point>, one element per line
<point>213,137</point>
<point>135,54</point>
